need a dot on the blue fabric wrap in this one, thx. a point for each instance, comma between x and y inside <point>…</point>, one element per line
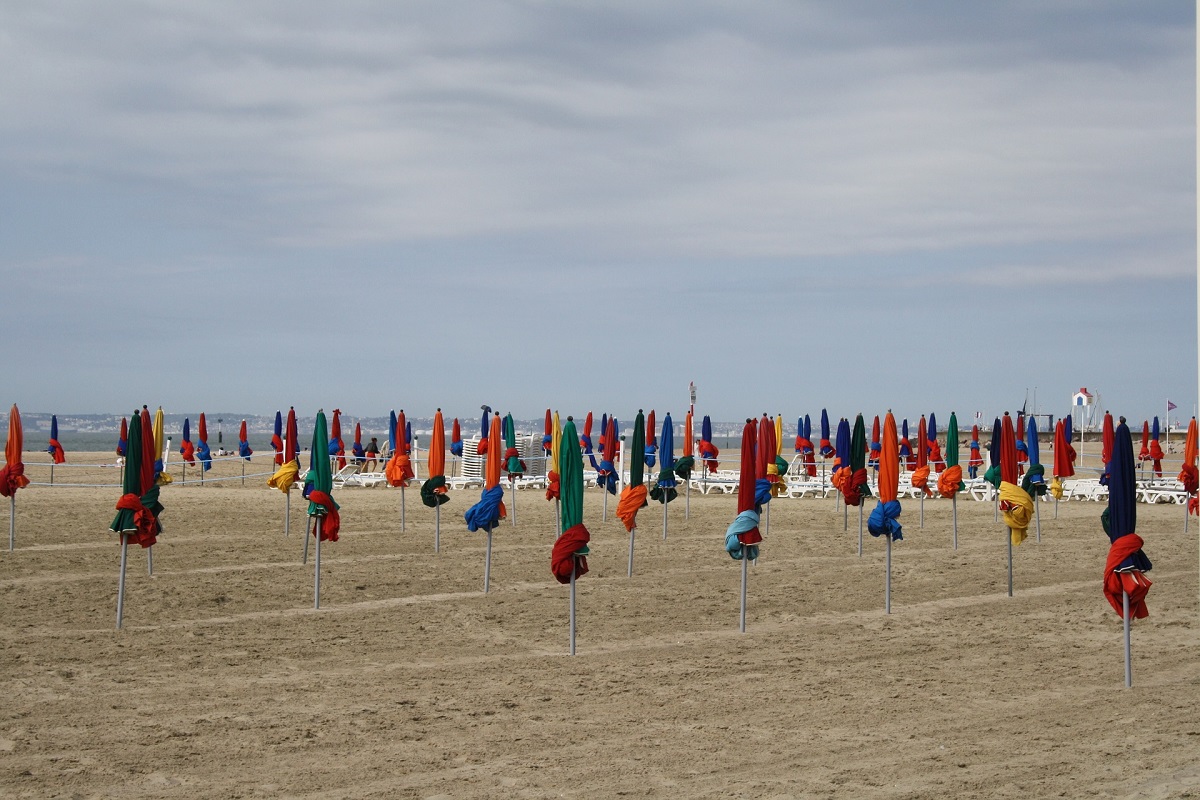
<point>485,515</point>
<point>205,455</point>
<point>650,451</point>
<point>333,447</point>
<point>585,442</point>
<point>762,492</point>
<point>547,441</point>
<point>885,521</point>
<point>595,464</point>
<point>608,481</point>
<point>743,523</point>
<point>456,448</point>
<point>357,448</point>
<point>1022,447</point>
<point>244,449</point>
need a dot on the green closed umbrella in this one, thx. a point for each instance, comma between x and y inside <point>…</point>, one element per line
<point>321,506</point>
<point>633,496</point>
<point>512,461</point>
<point>952,464</point>
<point>568,560</point>
<point>138,508</point>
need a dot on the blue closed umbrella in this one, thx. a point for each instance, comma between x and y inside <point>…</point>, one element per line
<point>392,432</point>
<point>1124,584</point>
<point>827,449</point>
<point>664,490</point>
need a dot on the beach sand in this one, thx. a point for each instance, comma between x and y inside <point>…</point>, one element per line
<point>410,682</point>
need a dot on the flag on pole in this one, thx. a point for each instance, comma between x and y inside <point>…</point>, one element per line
<point>1171,406</point>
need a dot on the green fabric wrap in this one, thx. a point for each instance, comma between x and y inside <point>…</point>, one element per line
<point>431,498</point>
<point>684,467</point>
<point>1034,489</point>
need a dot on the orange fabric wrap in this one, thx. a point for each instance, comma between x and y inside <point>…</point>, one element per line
<point>632,499</point>
<point>920,480</point>
<point>948,481</point>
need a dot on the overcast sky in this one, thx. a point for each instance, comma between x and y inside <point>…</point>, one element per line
<point>931,206</point>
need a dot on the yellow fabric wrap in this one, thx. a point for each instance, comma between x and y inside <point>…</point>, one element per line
<point>284,477</point>
<point>1017,508</point>
<point>1056,488</point>
<point>778,482</point>
<point>164,478</point>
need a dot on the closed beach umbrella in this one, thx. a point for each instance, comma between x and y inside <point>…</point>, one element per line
<point>920,476</point>
<point>122,438</point>
<point>243,442</point>
<point>433,490</point>
<point>277,439</point>
<point>513,464</point>
<point>568,558</point>
<point>336,446</point>
<point>1144,455</point>
<point>764,460</point>
<point>827,449</point>
<point>936,462</point>
<point>585,438</point>
<point>975,457</point>
<point>606,474</point>
<point>392,432</point>
<point>1156,452</point>
<point>1106,445</point>
<point>318,488</point>
<point>159,440</point>
<point>456,443</point>
<point>651,439</point>
<point>288,471</point>
<point>687,459</point>
<point>777,469</point>
<point>841,459</point>
<point>875,446</point>
<point>708,450</point>
<point>1015,503</point>
<point>186,448</point>
<point>356,449</point>
<point>1125,584</point>
<point>633,496</point>
<point>950,480</point>
<point>810,451</point>
<point>885,518</point>
<point>1189,476</point>
<point>855,487</point>
<point>548,434</point>
<point>1064,461</point>
<point>906,451</point>
<point>742,537</point>
<point>12,476</point>
<point>53,447</point>
<point>664,488</point>
<point>484,431</point>
<point>1022,444</point>
<point>1034,482</point>
<point>487,513</point>
<point>398,470</point>
<point>138,507</point>
<point>202,450</point>
<point>553,477</point>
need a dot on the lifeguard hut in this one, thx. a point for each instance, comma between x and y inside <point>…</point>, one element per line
<point>1083,409</point>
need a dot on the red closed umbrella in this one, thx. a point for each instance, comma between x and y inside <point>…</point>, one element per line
<point>742,537</point>
<point>12,476</point>
<point>1015,503</point>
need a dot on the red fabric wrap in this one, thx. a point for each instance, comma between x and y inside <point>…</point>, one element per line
<point>481,448</point>
<point>12,477</point>
<point>563,559</point>
<point>511,453</point>
<point>1188,476</point>
<point>709,452</point>
<point>749,537</point>
<point>1135,583</point>
<point>188,451</point>
<point>1156,451</point>
<point>331,522</point>
<point>143,520</point>
<point>850,485</point>
<point>59,456</point>
<point>1194,505</point>
<point>553,489</point>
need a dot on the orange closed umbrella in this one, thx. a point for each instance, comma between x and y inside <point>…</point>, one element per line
<point>12,476</point>
<point>885,519</point>
<point>433,490</point>
<point>1188,474</point>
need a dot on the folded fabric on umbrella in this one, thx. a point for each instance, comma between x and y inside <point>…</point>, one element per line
<point>920,480</point>
<point>1130,579</point>
<point>950,481</point>
<point>742,536</point>
<point>487,513</point>
<point>433,491</point>
<point>569,554</point>
<point>632,499</point>
<point>885,520</point>
<point>285,477</point>
<point>1016,506</point>
<point>327,509</point>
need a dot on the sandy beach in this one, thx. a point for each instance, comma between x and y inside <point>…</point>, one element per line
<point>410,682</point>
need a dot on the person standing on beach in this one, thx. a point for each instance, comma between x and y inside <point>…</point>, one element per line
<point>372,455</point>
